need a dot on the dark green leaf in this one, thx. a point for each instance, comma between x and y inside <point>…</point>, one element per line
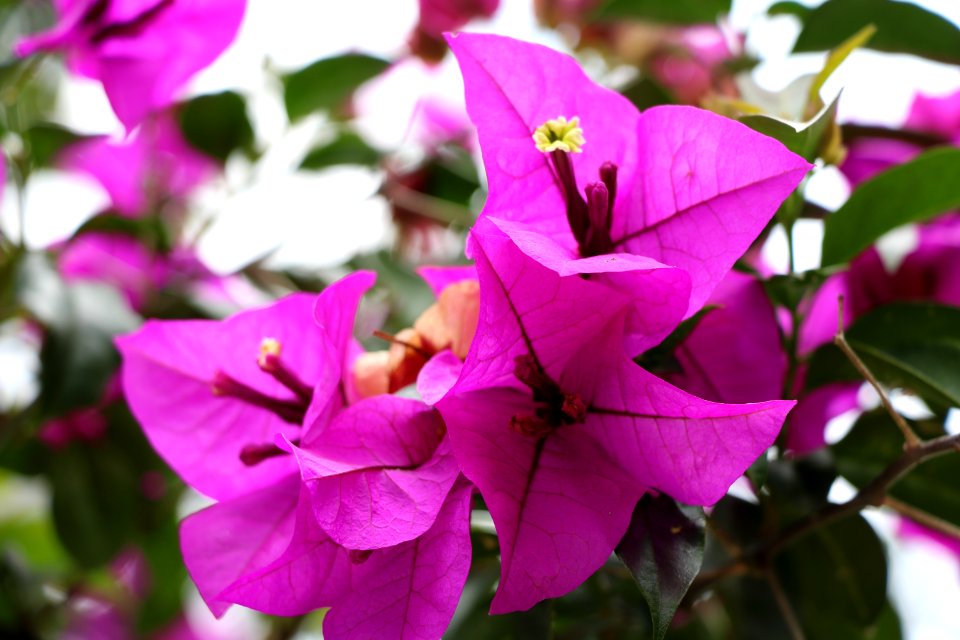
<point>348,148</point>
<point>646,93</point>
<point>887,626</point>
<point>673,11</point>
<point>874,442</point>
<point>663,549</point>
<point>836,579</point>
<point>911,192</point>
<point>47,140</point>
<point>660,359</point>
<point>326,84</point>
<point>901,28</point>
<point>217,124</point>
<point>94,497</point>
<point>913,345</point>
<point>788,8</point>
<point>788,290</point>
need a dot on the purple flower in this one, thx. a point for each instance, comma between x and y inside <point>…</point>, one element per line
<point>938,116</point>
<point>587,184</point>
<point>562,432</point>
<point>116,259</point>
<point>143,51</point>
<point>439,16</point>
<point>321,503</point>
<point>154,164</point>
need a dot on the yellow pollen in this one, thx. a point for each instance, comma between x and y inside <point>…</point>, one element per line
<point>269,347</point>
<point>560,135</point>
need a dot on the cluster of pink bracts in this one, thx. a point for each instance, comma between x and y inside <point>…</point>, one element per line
<point>603,230</point>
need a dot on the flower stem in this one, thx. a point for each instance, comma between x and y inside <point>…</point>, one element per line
<point>789,615</point>
<point>840,340</point>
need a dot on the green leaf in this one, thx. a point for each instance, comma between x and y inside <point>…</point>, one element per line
<point>911,192</point>
<point>836,579</point>
<point>347,148</point>
<point>802,138</point>
<point>788,8</point>
<point>901,28</point>
<point>674,11</point>
<point>326,84</point>
<point>837,56</point>
<point>663,549</point>
<point>912,345</point>
<point>660,359</point>
<point>94,498</point>
<point>874,442</point>
<point>47,140</point>
<point>647,92</point>
<point>217,124</point>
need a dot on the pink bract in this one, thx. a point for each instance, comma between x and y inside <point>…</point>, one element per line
<point>168,377</point>
<point>693,189</point>
<point>153,164</point>
<point>561,468</point>
<point>143,51</point>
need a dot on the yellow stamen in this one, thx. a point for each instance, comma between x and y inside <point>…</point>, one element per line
<point>560,135</point>
<point>268,347</point>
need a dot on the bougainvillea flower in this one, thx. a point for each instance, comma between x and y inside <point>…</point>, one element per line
<point>689,62</point>
<point>938,116</point>
<point>806,431</point>
<point>143,51</point>
<point>87,424</point>
<point>735,353</point>
<point>116,259</point>
<point>866,157</point>
<point>380,473</point>
<point>562,432</point>
<point>439,16</point>
<point>351,506</point>
<point>578,165</point>
<point>407,591</point>
<point>206,404</point>
<point>910,530</point>
<point>153,164</point>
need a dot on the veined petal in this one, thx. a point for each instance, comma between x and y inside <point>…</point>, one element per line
<point>513,87</point>
<point>410,591</point>
<point>169,367</point>
<point>706,187</point>
<point>560,504</point>
<point>229,540</point>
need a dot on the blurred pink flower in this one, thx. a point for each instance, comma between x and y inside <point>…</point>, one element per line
<point>935,115</point>
<point>143,51</point>
<point>910,530</point>
<point>152,166</point>
<point>689,62</point>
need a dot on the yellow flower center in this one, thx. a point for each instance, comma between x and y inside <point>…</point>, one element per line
<point>560,135</point>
